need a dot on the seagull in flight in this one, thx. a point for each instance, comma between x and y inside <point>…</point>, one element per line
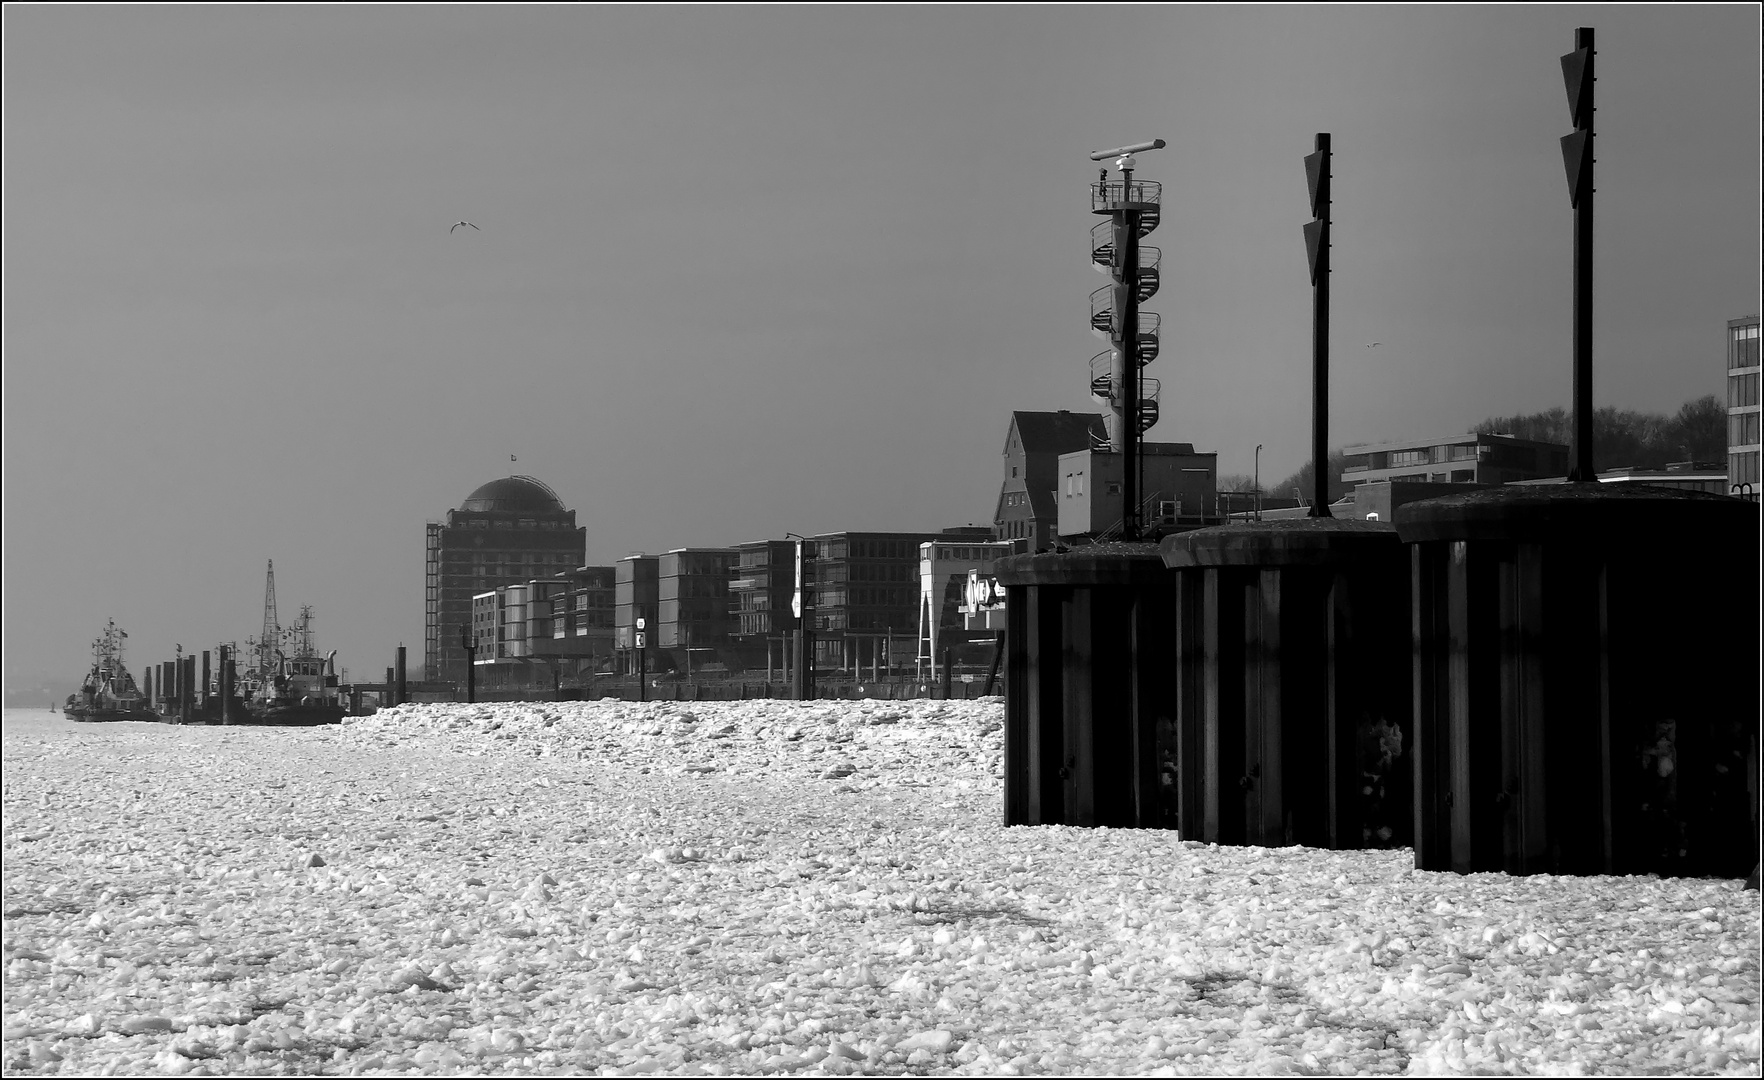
<point>457,224</point>
<point>1373,345</point>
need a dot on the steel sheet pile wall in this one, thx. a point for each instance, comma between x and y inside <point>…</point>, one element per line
<point>1089,700</point>
<point>1586,677</point>
<point>1292,711</point>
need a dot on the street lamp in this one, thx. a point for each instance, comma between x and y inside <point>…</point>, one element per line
<point>1258,481</point>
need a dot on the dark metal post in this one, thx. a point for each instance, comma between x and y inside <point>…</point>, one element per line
<point>803,678</point>
<point>1317,239</point>
<point>1127,239</point>
<point>403,687</point>
<point>1577,158</point>
<point>471,651</point>
<point>187,699</point>
<point>998,648</point>
<point>386,691</point>
<point>226,685</point>
<point>202,687</point>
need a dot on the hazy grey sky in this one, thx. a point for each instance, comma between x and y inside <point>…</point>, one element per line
<point>755,269</point>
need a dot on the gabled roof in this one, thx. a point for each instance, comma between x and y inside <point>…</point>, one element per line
<point>1044,505</point>
<point>1056,432</point>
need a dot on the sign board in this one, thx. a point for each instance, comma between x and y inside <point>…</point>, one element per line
<point>640,637</point>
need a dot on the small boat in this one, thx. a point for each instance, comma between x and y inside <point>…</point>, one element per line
<point>109,691</point>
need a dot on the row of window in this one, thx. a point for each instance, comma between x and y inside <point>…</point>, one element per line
<point>1742,390</point>
<point>1743,468</point>
<point>1742,428</point>
<point>1742,346</point>
<point>504,523</point>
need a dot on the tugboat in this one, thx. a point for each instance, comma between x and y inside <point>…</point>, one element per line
<point>300,689</point>
<point>109,692</point>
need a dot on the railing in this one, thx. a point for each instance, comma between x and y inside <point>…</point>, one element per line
<point>1113,532</point>
<point>1102,248</point>
<point>1105,319</point>
<point>1102,376</point>
<point>1118,194</point>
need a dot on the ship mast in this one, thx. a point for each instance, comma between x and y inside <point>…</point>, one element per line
<point>272,631</point>
<point>303,632</point>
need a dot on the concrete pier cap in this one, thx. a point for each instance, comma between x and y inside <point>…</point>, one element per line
<point>1291,716</point>
<point>1292,542</point>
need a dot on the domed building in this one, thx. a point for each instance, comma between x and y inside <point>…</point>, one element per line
<point>507,532</point>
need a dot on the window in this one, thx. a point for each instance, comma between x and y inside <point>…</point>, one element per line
<point>1113,488</point>
<point>1013,472</point>
<point>1080,483</point>
<point>1742,347</point>
<point>1743,468</point>
<point>1401,458</point>
<point>1742,429</point>
<point>1742,390</point>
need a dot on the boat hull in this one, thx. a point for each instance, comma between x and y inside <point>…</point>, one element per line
<point>295,715</point>
<point>84,715</point>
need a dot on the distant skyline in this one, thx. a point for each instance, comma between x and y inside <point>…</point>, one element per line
<point>738,271</point>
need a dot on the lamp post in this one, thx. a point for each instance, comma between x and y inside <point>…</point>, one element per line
<point>1258,481</point>
<point>642,657</point>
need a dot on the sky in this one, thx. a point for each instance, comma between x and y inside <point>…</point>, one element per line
<point>743,271</point>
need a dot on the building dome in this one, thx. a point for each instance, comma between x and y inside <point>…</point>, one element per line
<point>514,495</point>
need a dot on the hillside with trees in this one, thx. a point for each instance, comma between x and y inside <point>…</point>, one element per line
<point>1698,432</point>
<point>1621,437</point>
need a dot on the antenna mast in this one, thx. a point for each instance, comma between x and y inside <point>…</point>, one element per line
<point>272,632</point>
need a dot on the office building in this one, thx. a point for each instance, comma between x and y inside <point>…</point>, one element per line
<point>562,624</point>
<point>505,533</point>
<point>761,586</point>
<point>692,599</point>
<point>1743,439</point>
<point>1456,459</point>
<point>866,596</point>
<point>636,595</point>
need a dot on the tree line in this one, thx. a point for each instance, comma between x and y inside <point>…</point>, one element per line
<point>1621,437</point>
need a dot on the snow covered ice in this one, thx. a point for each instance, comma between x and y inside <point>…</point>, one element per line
<point>765,887</point>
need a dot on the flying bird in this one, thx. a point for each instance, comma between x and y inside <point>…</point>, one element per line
<point>1374,344</point>
<point>457,224</point>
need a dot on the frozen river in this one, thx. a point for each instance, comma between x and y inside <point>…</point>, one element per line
<point>765,887</point>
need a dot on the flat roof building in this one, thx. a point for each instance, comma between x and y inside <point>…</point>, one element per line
<point>1473,458</point>
<point>1743,438</point>
<point>1178,490</point>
